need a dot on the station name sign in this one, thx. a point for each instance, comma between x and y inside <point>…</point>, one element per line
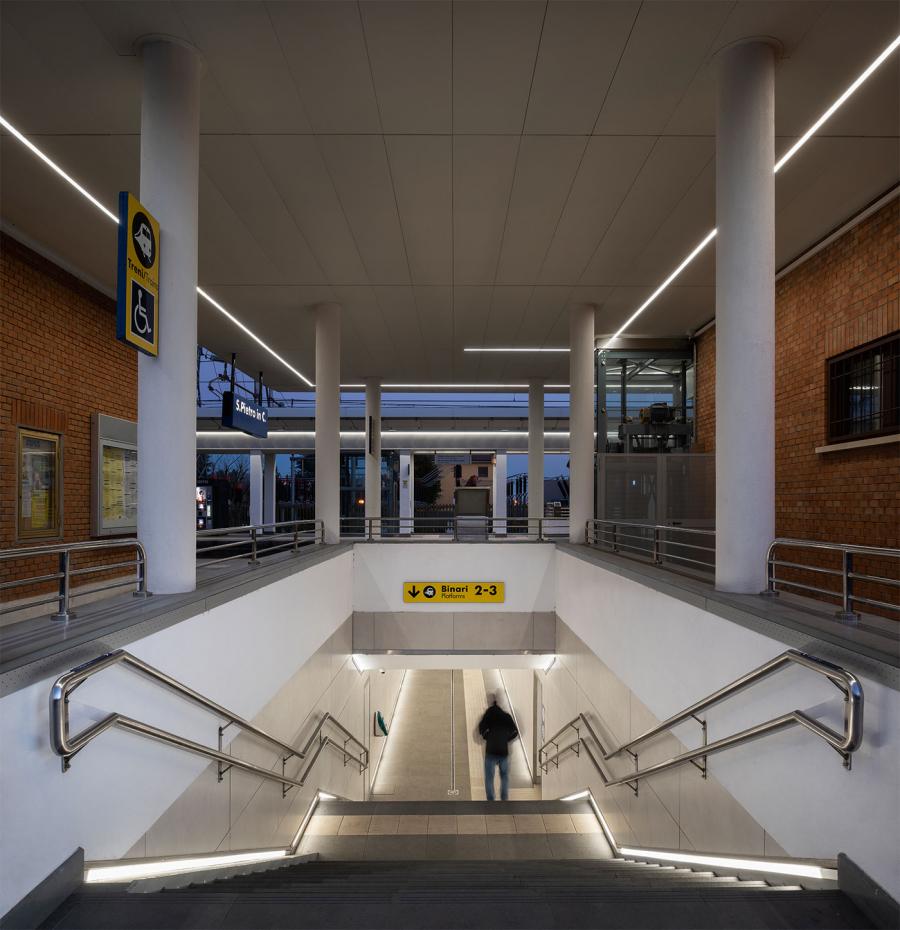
<point>244,415</point>
<point>454,592</point>
<point>137,297</point>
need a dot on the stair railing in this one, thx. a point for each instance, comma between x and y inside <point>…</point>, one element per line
<point>66,745</point>
<point>845,743</point>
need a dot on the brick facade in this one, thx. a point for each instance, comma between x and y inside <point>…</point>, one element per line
<point>843,297</point>
<point>60,363</point>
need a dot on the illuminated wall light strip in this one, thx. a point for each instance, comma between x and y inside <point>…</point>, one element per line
<point>5,123</point>
<point>802,870</point>
<point>788,155</point>
<point>389,432</point>
<point>159,867</point>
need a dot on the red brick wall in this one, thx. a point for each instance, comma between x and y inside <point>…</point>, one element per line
<point>60,363</point>
<point>842,297</point>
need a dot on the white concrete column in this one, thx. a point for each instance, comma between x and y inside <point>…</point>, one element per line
<point>535,452</point>
<point>406,493</point>
<point>167,414</point>
<point>268,482</point>
<point>499,493</point>
<point>373,449</point>
<point>328,419</point>
<point>745,316</point>
<point>581,419</point>
<point>256,488</point>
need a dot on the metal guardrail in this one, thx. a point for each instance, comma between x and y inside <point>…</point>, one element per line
<point>659,544</point>
<point>258,540</point>
<point>66,745</point>
<point>454,529</point>
<point>846,573</point>
<point>845,743</point>
<point>64,575</point>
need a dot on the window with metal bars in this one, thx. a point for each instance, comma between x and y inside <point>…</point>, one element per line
<point>864,391</point>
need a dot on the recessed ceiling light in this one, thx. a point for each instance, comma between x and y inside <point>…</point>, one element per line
<point>508,349</point>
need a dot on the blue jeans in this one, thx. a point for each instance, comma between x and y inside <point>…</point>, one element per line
<point>490,763</point>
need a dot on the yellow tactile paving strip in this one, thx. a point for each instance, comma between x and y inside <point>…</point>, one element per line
<point>462,824</point>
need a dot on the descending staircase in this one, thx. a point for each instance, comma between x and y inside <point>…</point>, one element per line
<point>449,880</point>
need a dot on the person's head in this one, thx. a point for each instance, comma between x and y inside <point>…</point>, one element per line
<point>492,698</point>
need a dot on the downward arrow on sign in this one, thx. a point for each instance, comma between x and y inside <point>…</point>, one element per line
<point>414,591</point>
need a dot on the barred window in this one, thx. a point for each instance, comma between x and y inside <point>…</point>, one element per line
<point>864,391</point>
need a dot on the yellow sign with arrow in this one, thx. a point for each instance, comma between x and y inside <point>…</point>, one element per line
<point>454,592</point>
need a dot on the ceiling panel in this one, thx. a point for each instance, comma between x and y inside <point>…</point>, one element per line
<point>243,56</point>
<point>837,177</point>
<point>495,44</point>
<point>580,47</point>
<point>678,311</point>
<point>435,306</point>
<point>401,315</point>
<point>420,168</point>
<point>325,49</point>
<point>358,167</point>
<point>297,170</point>
<point>670,42</point>
<point>668,173</point>
<point>230,164</point>
<point>362,311</point>
<point>545,169</point>
<point>483,170</point>
<point>60,74</point>
<point>409,48</point>
<point>607,171</point>
<point>501,322</point>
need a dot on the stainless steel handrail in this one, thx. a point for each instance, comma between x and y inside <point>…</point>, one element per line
<point>278,536</point>
<point>847,575</point>
<point>65,573</point>
<point>845,743</point>
<point>66,745</point>
<point>657,539</point>
<point>451,528</point>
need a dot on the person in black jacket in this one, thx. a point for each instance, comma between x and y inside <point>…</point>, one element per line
<point>498,730</point>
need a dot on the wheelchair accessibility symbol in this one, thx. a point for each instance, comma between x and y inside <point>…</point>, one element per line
<point>143,317</point>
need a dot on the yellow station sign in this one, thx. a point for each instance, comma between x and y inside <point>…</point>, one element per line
<point>137,321</point>
<point>454,592</point>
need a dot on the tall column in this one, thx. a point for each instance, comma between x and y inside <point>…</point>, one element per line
<point>406,493</point>
<point>745,316</point>
<point>373,449</point>
<point>167,415</point>
<point>256,488</point>
<point>268,482</point>
<point>581,419</point>
<point>535,453</point>
<point>499,493</point>
<point>328,419</point>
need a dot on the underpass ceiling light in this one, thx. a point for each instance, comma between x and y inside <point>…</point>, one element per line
<point>5,123</point>
<point>788,155</point>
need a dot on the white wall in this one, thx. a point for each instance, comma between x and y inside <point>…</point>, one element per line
<point>246,812</point>
<point>380,569</point>
<point>240,654</point>
<point>670,653</point>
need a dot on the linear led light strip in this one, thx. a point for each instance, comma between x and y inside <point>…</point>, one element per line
<point>788,155</point>
<point>437,434</point>
<point>798,869</point>
<point>5,123</point>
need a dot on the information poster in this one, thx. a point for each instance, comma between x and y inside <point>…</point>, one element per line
<point>119,499</point>
<point>39,484</point>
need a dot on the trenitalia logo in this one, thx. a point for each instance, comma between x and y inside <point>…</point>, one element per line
<point>249,410</point>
